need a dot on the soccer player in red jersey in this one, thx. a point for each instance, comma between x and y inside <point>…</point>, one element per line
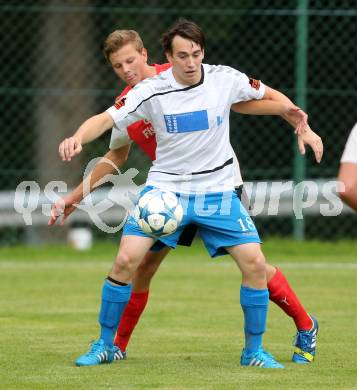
<point>125,52</point>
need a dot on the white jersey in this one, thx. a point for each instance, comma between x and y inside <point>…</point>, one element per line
<point>237,180</point>
<point>350,152</point>
<point>120,137</point>
<point>192,126</point>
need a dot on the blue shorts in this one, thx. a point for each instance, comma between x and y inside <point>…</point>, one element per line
<point>220,217</point>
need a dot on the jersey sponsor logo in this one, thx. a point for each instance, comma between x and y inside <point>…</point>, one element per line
<point>186,122</point>
<point>254,83</point>
<point>119,102</point>
<point>164,88</point>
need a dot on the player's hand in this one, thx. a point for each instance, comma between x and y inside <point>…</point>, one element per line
<point>63,207</point>
<point>69,148</point>
<point>313,140</point>
<point>296,115</point>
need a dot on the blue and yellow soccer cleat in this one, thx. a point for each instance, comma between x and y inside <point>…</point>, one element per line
<point>99,353</point>
<point>305,344</point>
<point>119,354</point>
<point>261,359</point>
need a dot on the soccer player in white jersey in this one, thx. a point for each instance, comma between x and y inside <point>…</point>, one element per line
<point>189,108</point>
<point>125,52</point>
<point>348,171</point>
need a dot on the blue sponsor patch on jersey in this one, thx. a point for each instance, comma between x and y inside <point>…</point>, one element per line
<point>186,122</point>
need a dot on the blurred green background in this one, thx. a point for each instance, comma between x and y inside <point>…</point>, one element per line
<point>54,76</point>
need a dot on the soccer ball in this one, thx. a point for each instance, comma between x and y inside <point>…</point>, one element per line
<point>158,213</point>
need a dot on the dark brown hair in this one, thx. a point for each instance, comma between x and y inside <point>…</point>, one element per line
<point>119,38</point>
<point>185,29</point>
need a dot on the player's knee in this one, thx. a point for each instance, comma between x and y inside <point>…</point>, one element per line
<point>123,263</point>
<point>257,264</point>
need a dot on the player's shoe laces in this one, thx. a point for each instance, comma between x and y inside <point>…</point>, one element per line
<point>261,359</point>
<point>99,353</point>
<point>119,354</point>
<point>305,344</point>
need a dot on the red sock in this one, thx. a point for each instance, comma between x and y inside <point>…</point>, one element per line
<point>130,317</point>
<point>281,293</point>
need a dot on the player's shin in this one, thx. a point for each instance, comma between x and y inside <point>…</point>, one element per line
<point>254,303</point>
<point>114,299</point>
<point>283,295</point>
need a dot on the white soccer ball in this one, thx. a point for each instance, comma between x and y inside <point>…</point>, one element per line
<point>158,213</point>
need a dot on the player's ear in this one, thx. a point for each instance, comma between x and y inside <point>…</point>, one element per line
<point>168,57</point>
<point>203,54</point>
<point>144,53</point>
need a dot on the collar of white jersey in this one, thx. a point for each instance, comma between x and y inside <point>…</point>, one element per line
<point>177,85</point>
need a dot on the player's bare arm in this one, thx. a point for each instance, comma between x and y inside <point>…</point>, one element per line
<point>298,119</point>
<point>295,115</point>
<point>91,129</point>
<point>286,109</point>
<point>269,106</point>
<point>292,114</point>
<point>260,107</point>
<point>65,206</point>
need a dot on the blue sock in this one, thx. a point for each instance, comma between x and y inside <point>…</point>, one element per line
<point>255,307</point>
<point>114,300</point>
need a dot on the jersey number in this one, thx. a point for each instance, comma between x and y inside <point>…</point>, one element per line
<point>247,224</point>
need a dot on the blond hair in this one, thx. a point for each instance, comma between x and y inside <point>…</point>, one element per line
<point>119,38</point>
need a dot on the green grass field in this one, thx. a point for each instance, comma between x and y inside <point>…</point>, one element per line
<point>190,336</point>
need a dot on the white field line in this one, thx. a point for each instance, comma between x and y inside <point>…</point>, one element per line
<point>308,265</point>
<point>53,264</point>
<point>100,264</point>
<point>318,265</point>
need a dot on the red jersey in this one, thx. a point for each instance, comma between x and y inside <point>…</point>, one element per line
<point>142,132</point>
